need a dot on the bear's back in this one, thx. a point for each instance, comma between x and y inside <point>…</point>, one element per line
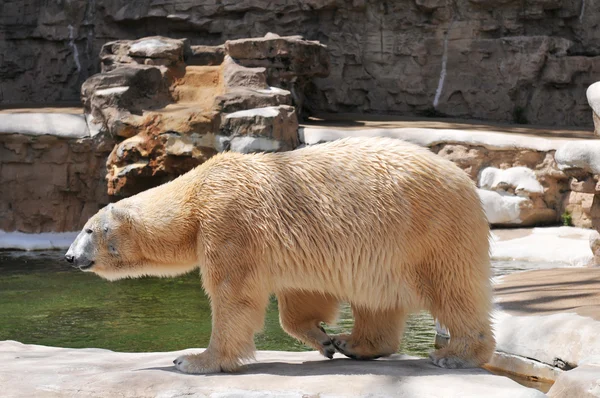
<point>359,202</point>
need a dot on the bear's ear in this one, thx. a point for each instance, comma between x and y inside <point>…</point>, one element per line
<point>120,213</point>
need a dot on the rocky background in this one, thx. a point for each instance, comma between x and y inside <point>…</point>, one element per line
<point>527,61</point>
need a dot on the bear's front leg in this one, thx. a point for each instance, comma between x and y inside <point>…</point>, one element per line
<point>238,311</point>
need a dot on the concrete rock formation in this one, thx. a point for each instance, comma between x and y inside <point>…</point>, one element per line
<point>504,60</point>
<point>171,106</point>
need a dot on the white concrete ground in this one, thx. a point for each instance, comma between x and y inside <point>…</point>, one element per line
<point>564,246</point>
<point>37,371</point>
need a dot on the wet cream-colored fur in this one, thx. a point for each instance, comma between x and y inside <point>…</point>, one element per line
<point>382,224</point>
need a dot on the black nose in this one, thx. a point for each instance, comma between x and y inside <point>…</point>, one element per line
<point>69,258</point>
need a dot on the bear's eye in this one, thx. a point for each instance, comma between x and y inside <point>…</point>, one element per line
<point>88,231</point>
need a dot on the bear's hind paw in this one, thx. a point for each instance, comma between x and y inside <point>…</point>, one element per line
<point>450,361</point>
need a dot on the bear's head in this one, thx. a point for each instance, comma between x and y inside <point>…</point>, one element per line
<point>107,244</point>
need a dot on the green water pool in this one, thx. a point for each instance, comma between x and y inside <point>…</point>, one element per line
<point>44,301</point>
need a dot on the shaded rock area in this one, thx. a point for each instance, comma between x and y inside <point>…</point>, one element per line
<point>103,373</point>
<point>171,106</point>
<point>505,60</point>
<point>51,183</point>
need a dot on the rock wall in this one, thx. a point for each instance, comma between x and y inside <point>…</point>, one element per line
<point>50,183</point>
<point>507,60</point>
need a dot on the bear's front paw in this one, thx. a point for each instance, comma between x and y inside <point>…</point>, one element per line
<point>196,364</point>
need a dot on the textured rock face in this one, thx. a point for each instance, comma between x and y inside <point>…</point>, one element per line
<point>50,183</point>
<point>506,60</point>
<point>171,106</point>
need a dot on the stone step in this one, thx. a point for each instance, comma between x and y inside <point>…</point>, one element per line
<point>201,76</point>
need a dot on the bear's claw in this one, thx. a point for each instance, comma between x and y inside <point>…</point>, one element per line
<point>328,349</point>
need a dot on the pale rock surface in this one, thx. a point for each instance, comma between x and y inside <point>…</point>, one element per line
<point>593,97</point>
<point>53,372</point>
<point>551,316</point>
<point>581,382</point>
<point>566,336</point>
<point>518,180</point>
<point>501,208</point>
<point>583,155</point>
<point>63,125</point>
<point>429,137</point>
<point>518,199</point>
<point>157,47</point>
<point>561,245</point>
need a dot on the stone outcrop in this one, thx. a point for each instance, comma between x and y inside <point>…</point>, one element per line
<point>506,60</point>
<point>171,106</point>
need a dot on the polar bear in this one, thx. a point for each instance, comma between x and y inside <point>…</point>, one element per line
<point>384,225</point>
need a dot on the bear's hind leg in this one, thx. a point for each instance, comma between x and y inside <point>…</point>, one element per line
<point>238,312</point>
<point>301,313</point>
<point>466,315</point>
<point>376,333</point>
